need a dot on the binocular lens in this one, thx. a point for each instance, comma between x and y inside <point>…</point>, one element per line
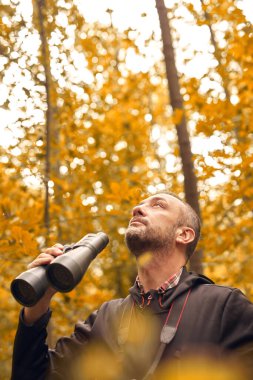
<point>61,278</point>
<point>63,274</point>
<point>24,292</point>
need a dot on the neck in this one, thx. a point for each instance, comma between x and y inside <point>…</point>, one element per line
<point>157,268</point>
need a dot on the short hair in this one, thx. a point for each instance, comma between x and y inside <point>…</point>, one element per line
<point>189,218</point>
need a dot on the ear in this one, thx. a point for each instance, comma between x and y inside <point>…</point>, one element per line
<point>185,235</point>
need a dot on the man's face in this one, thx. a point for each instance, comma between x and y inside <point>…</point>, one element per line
<point>154,224</point>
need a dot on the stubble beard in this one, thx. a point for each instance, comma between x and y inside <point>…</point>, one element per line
<point>144,239</point>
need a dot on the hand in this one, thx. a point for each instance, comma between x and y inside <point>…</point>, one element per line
<point>47,256</point>
<point>31,314</point>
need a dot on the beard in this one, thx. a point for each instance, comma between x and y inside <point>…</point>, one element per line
<point>143,239</point>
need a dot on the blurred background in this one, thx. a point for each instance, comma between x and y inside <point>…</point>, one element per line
<point>104,102</point>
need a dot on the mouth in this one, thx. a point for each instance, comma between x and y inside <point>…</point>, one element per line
<point>136,221</point>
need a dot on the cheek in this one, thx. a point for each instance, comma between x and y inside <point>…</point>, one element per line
<point>161,222</point>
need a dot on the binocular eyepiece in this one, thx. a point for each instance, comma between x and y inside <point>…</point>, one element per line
<point>63,273</point>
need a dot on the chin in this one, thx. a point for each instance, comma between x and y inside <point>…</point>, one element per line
<point>135,241</point>
<point>134,233</point>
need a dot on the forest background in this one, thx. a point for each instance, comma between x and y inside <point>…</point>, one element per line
<point>88,127</point>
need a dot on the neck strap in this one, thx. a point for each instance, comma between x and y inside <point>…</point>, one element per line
<point>169,329</point>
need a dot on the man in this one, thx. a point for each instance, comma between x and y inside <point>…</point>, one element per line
<point>168,313</point>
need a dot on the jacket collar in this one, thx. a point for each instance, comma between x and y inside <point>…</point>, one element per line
<point>187,280</point>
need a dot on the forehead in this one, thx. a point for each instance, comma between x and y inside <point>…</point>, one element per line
<point>169,199</point>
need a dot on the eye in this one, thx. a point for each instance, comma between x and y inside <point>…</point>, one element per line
<point>158,204</point>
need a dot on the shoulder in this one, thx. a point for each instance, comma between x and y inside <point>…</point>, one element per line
<point>227,294</point>
<point>106,314</point>
<point>220,289</point>
<point>115,305</point>
<point>202,283</point>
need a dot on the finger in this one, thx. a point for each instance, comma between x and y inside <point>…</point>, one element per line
<point>40,261</point>
<point>55,251</point>
<point>44,255</point>
<point>59,245</point>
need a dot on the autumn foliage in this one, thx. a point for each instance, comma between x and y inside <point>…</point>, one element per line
<point>91,133</point>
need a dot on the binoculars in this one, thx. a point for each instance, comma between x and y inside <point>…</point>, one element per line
<point>63,273</point>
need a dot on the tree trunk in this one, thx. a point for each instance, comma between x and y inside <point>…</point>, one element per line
<point>190,180</point>
<point>45,60</point>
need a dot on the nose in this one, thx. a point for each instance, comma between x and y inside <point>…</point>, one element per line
<point>138,210</point>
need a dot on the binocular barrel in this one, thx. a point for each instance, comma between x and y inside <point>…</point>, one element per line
<point>67,270</point>
<point>63,273</point>
<point>30,286</point>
